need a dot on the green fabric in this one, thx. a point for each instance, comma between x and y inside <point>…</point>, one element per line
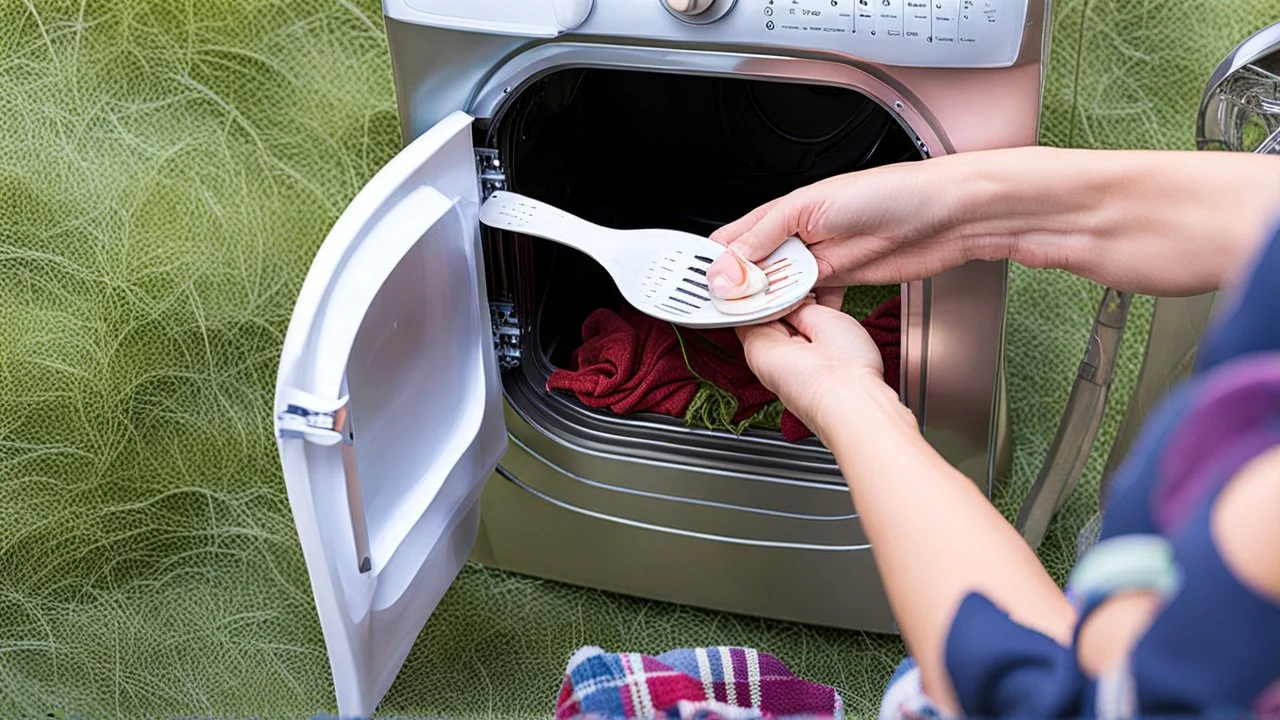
<point>714,409</point>
<point>167,170</point>
<point>863,300</point>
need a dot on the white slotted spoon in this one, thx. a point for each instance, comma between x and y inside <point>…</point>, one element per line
<point>662,273</point>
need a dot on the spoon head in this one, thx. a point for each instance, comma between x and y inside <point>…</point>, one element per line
<point>663,272</point>
<point>673,285</point>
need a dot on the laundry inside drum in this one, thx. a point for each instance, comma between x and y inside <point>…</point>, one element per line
<point>631,149</point>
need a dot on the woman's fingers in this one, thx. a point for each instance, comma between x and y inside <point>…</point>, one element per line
<point>812,319</point>
<point>758,340</point>
<point>730,232</point>
<point>832,297</point>
<point>778,223</point>
<point>753,238</point>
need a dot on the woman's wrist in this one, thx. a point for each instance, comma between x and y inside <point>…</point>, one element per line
<point>1010,202</point>
<point>861,400</point>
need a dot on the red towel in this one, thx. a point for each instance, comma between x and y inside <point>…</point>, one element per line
<point>630,362</point>
<point>884,325</point>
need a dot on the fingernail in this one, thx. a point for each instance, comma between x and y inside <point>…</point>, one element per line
<point>718,281</point>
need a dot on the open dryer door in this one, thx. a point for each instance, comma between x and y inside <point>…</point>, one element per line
<point>388,408</point>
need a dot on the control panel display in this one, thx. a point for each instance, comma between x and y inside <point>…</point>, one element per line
<point>810,16</point>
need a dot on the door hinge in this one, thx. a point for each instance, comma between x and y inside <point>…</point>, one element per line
<point>506,334</point>
<point>489,168</point>
<point>503,316</point>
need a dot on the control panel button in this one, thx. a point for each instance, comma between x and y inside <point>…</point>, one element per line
<point>946,19</point>
<point>917,20</point>
<point>689,7</point>
<point>888,17</point>
<point>975,18</point>
<point>864,16</point>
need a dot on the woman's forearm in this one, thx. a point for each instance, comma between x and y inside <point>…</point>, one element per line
<point>935,537</point>
<point>1161,223</point>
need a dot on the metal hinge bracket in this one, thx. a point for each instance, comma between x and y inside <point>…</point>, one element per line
<point>506,334</point>
<point>489,168</point>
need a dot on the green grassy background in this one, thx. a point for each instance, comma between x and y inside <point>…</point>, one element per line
<point>167,170</point>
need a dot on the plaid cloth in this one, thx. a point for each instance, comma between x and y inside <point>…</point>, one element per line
<point>717,683</point>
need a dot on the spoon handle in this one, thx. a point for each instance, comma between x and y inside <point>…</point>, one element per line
<point>517,213</point>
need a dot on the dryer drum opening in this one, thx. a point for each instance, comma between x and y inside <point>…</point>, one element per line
<point>632,149</point>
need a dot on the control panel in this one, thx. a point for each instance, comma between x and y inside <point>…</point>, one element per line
<point>919,33</point>
<point>929,33</point>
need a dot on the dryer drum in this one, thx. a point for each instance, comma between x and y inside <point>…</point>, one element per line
<point>632,149</point>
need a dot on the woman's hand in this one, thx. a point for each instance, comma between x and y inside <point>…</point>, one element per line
<point>878,226</point>
<point>813,358</point>
<point>1161,223</point>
